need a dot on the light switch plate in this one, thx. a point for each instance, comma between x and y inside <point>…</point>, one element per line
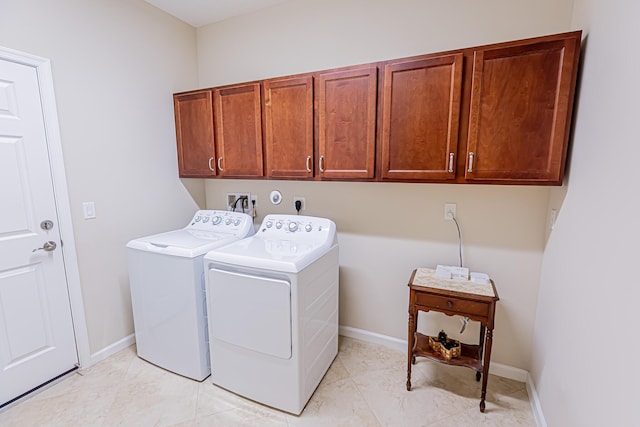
<point>89,210</point>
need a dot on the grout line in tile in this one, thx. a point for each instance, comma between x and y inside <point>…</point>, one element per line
<point>366,402</point>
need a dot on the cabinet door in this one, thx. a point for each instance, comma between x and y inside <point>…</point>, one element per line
<point>238,120</point>
<point>194,134</point>
<point>420,117</point>
<point>521,100</point>
<point>288,120</point>
<point>347,123</point>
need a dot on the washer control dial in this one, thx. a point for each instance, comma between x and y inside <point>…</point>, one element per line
<point>308,228</point>
<point>269,224</point>
<point>293,226</point>
<point>279,225</point>
<point>216,220</point>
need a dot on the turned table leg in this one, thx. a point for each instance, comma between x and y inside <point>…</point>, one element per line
<point>411,337</point>
<point>480,350</point>
<point>485,367</point>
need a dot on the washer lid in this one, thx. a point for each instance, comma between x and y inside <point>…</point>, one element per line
<point>183,243</point>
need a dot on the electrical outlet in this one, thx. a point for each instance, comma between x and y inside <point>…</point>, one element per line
<point>234,204</point>
<point>302,201</point>
<point>552,218</point>
<point>449,211</point>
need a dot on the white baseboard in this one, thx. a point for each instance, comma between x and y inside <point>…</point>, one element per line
<point>534,399</point>
<point>372,337</point>
<point>506,371</point>
<point>498,369</point>
<point>111,350</point>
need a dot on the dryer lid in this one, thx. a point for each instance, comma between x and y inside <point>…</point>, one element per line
<point>286,243</point>
<point>184,243</point>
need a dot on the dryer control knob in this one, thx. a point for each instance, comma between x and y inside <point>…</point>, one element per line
<point>198,218</point>
<point>205,219</point>
<point>217,220</point>
<point>236,222</point>
<point>293,226</point>
<point>308,227</point>
<point>279,225</point>
<point>269,224</point>
<point>228,221</point>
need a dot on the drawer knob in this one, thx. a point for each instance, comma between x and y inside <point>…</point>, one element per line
<point>449,304</point>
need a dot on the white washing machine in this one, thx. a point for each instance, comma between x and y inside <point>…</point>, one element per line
<point>273,310</point>
<point>166,275</point>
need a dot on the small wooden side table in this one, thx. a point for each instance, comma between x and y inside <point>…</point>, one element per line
<point>452,297</point>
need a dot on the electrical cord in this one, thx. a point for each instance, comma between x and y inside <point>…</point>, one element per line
<point>464,320</point>
<point>459,238</point>
<point>242,205</point>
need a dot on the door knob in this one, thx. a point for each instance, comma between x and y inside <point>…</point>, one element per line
<point>48,246</point>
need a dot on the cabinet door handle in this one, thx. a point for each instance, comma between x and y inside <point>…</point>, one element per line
<point>308,163</point>
<point>211,167</point>
<point>471,156</point>
<point>321,163</point>
<point>451,155</point>
<point>219,164</point>
<point>449,304</point>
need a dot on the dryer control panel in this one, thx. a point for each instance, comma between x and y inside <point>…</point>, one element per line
<point>221,222</point>
<point>313,231</point>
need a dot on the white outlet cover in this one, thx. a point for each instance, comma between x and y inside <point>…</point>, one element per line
<point>449,207</point>
<point>89,210</point>
<point>552,218</point>
<point>275,197</point>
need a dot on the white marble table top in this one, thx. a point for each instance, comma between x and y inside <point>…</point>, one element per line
<point>426,277</point>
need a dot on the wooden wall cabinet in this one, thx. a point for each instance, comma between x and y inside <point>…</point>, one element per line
<point>238,130</point>
<point>495,114</point>
<point>288,127</point>
<point>194,134</point>
<point>347,123</point>
<point>420,118</point>
<point>520,110</point>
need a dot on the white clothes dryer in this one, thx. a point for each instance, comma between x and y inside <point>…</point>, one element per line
<point>273,310</point>
<point>166,277</point>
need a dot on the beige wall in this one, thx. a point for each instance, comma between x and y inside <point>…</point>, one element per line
<point>387,230</point>
<point>115,65</point>
<point>308,35</point>
<point>589,291</point>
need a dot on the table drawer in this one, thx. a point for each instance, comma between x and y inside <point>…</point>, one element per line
<point>462,306</point>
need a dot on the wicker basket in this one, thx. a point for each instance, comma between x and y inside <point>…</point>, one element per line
<point>448,354</point>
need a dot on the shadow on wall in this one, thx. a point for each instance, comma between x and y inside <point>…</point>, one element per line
<point>557,195</point>
<point>196,188</point>
<point>509,217</point>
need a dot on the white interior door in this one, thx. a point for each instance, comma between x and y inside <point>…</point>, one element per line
<point>37,340</point>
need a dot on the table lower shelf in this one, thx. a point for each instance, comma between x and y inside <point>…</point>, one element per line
<point>469,354</point>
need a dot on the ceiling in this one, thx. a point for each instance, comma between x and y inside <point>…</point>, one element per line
<point>203,12</point>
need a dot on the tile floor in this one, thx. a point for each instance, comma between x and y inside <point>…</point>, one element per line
<point>365,386</point>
